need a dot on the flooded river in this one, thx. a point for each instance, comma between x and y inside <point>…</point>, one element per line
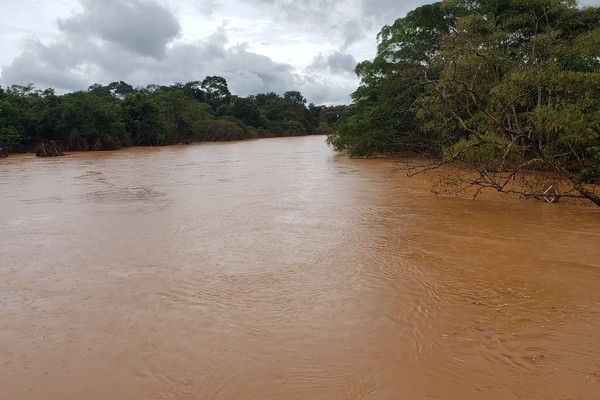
<point>278,269</point>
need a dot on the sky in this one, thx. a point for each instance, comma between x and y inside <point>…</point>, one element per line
<point>258,46</point>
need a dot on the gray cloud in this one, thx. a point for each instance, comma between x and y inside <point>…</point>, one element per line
<point>246,72</point>
<point>334,18</point>
<point>345,21</point>
<point>387,11</point>
<point>141,27</point>
<point>45,65</point>
<point>334,63</point>
<point>325,91</point>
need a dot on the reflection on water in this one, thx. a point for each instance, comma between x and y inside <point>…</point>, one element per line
<point>278,269</point>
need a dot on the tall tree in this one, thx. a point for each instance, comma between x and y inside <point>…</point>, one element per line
<point>216,91</point>
<point>383,117</point>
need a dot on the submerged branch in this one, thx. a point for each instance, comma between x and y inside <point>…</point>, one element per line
<point>520,180</point>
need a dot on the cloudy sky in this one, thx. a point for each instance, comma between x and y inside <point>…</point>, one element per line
<point>257,45</point>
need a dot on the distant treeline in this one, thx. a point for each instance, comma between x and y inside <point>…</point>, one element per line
<point>118,115</point>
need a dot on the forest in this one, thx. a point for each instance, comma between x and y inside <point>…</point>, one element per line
<point>108,117</point>
<point>509,89</point>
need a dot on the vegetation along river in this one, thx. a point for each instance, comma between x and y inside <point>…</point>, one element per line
<point>278,269</point>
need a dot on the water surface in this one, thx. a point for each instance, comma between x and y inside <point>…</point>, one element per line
<point>278,269</point>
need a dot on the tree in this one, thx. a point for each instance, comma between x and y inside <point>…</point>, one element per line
<point>383,117</point>
<point>27,116</point>
<point>182,116</point>
<point>194,89</point>
<point>12,107</point>
<point>514,98</point>
<point>89,122</point>
<point>294,97</point>
<point>120,89</point>
<point>142,119</point>
<point>246,110</point>
<point>508,87</point>
<point>216,91</point>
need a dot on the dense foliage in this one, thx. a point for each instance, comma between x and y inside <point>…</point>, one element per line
<point>503,86</point>
<point>118,115</point>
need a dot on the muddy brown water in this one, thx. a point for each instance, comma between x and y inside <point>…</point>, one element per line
<point>278,269</point>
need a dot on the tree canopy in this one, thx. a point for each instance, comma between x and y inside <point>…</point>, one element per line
<point>507,87</point>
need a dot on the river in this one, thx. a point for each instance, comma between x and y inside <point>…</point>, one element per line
<point>278,269</point>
